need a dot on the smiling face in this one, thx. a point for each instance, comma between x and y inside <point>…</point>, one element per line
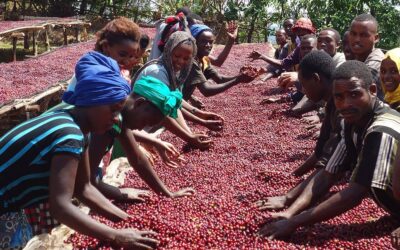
<point>181,56</point>
<point>205,42</point>
<point>126,53</point>
<point>390,75</point>
<point>327,42</point>
<point>352,99</point>
<point>362,38</point>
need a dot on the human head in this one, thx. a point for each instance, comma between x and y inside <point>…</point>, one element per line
<point>363,35</point>
<point>178,55</point>
<point>173,24</point>
<point>329,41</point>
<point>288,25</point>
<point>100,90</point>
<point>185,10</point>
<point>315,71</point>
<point>193,18</point>
<point>144,43</point>
<point>303,26</point>
<point>346,46</point>
<point>353,91</point>
<point>281,36</point>
<point>150,101</point>
<point>308,43</point>
<point>119,39</point>
<point>390,76</point>
<point>204,39</point>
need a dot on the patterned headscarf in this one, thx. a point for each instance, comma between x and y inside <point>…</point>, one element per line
<point>175,40</point>
<point>392,97</point>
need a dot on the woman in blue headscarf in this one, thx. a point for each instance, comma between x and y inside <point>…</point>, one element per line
<point>46,159</point>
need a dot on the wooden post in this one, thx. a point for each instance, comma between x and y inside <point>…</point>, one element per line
<point>15,37</point>
<point>26,40</point>
<point>77,33</point>
<point>85,34</point>
<point>14,42</point>
<point>65,35</point>
<point>46,39</point>
<point>34,43</point>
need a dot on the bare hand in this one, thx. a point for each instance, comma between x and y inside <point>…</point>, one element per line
<point>169,154</point>
<point>210,116</point>
<point>214,125</point>
<point>254,55</point>
<point>201,141</point>
<point>245,78</point>
<point>277,202</point>
<point>287,79</point>
<point>183,192</point>
<point>134,239</point>
<point>232,29</point>
<point>279,229</point>
<point>135,194</point>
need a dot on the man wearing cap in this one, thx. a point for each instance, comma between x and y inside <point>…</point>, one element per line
<point>45,159</point>
<point>302,27</point>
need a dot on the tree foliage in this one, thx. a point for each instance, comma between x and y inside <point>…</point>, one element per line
<point>254,16</point>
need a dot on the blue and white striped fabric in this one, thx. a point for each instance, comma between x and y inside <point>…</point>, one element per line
<point>25,157</point>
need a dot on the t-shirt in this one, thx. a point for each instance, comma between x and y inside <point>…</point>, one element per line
<point>373,62</point>
<point>338,58</point>
<point>199,74</point>
<point>155,70</point>
<point>26,153</point>
<point>329,136</point>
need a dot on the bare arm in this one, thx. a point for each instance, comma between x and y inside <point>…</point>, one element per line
<point>64,169</point>
<point>220,59</point>
<point>209,89</point>
<point>143,167</point>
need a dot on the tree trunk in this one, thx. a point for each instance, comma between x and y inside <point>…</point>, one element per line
<point>83,7</point>
<point>251,29</point>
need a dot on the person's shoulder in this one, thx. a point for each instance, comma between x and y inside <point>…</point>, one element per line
<point>375,55</point>
<point>339,58</point>
<point>155,69</point>
<point>386,120</point>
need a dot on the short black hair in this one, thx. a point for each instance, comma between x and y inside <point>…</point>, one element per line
<point>185,10</point>
<point>144,41</point>
<point>365,17</point>
<point>354,68</point>
<point>317,61</point>
<point>336,35</point>
<point>191,17</point>
<point>308,36</point>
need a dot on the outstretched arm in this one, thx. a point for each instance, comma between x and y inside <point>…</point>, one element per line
<point>334,206</point>
<point>143,167</point>
<point>220,59</point>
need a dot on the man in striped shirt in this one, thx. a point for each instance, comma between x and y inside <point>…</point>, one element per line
<point>371,139</point>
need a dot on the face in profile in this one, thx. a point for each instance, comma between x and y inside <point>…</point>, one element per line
<point>126,53</point>
<point>353,101</point>
<point>102,118</point>
<point>182,56</point>
<point>141,114</point>
<point>312,86</point>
